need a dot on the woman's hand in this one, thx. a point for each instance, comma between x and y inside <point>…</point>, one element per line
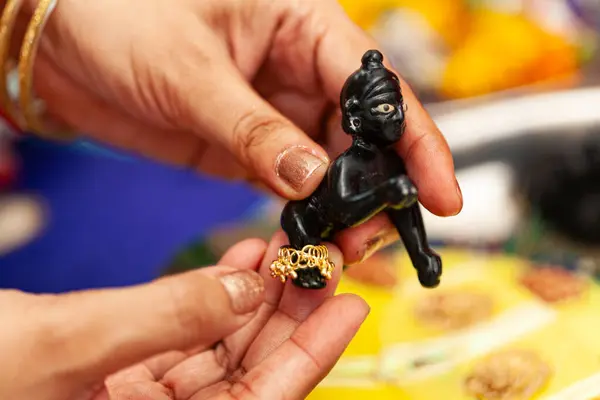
<point>221,332</point>
<point>240,89</point>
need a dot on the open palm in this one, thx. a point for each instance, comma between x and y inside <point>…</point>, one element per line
<point>283,352</point>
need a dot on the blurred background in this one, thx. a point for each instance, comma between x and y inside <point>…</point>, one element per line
<point>515,87</point>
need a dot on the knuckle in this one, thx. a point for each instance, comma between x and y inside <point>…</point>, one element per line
<point>184,305</point>
<point>242,389</point>
<point>253,131</point>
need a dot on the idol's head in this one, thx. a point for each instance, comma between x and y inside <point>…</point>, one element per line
<point>372,103</point>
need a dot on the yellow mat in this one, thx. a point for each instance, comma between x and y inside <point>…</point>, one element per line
<point>495,329</point>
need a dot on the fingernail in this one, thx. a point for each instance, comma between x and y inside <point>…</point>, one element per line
<point>296,164</point>
<point>245,289</point>
<point>376,243</point>
<point>460,198</point>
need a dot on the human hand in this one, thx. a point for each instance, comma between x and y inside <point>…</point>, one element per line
<point>240,89</point>
<point>181,337</point>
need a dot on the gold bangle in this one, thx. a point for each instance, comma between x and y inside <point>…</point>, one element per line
<point>7,26</point>
<point>30,106</point>
<point>27,60</point>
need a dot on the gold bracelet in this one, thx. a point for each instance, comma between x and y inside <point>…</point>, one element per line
<point>30,106</point>
<point>27,60</point>
<point>7,26</point>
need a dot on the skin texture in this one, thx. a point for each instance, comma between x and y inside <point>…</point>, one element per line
<point>177,338</point>
<point>226,87</point>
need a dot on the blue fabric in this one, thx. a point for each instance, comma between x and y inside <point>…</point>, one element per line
<point>114,220</point>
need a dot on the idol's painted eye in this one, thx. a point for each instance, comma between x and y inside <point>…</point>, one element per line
<point>384,108</point>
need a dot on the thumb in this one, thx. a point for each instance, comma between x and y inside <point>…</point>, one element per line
<point>265,142</point>
<point>96,333</point>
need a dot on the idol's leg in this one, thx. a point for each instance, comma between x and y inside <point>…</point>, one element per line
<point>301,223</point>
<point>409,223</point>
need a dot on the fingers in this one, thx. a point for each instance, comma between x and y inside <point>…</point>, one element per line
<point>297,303</point>
<point>196,372</point>
<point>202,370</point>
<point>423,147</point>
<point>136,390</point>
<point>267,144</point>
<point>295,306</point>
<point>245,254</point>
<point>237,344</point>
<point>361,242</point>
<point>273,287</point>
<point>133,383</point>
<point>191,378</point>
<point>130,325</point>
<point>299,364</point>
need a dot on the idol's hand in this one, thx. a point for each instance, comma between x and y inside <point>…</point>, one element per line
<point>239,89</point>
<point>223,332</point>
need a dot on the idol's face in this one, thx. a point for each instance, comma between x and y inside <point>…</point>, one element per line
<point>374,107</point>
<point>382,114</point>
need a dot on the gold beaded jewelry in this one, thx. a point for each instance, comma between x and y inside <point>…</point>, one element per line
<point>30,106</point>
<point>7,26</point>
<point>290,260</point>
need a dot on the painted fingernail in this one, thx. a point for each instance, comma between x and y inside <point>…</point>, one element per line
<point>296,164</point>
<point>245,289</point>
<point>376,243</point>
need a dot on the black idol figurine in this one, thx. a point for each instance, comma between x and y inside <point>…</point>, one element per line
<point>368,178</point>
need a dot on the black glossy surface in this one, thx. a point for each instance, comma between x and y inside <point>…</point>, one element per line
<point>368,178</point>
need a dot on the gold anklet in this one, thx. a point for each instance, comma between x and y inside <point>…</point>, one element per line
<point>290,260</point>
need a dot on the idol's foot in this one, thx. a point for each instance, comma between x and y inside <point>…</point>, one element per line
<point>430,270</point>
<point>310,278</point>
